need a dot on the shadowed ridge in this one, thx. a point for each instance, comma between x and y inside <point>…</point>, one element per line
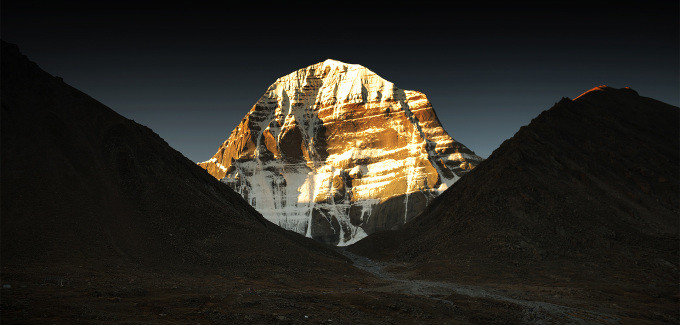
<point>589,187</point>
<point>607,89</point>
<point>82,183</point>
<point>580,140</point>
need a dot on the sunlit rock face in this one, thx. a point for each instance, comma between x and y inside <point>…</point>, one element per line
<point>336,152</point>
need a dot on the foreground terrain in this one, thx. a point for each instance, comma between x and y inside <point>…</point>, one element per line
<point>137,295</point>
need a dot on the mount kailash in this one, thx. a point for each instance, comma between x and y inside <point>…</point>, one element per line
<point>336,152</point>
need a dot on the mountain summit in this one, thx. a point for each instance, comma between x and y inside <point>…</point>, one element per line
<point>335,152</point>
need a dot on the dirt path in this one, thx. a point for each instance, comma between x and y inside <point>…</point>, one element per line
<point>535,312</point>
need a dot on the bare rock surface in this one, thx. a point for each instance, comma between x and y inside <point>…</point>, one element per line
<point>335,152</point>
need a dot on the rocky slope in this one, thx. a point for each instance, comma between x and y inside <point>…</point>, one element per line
<point>82,184</point>
<point>335,152</point>
<point>585,198</point>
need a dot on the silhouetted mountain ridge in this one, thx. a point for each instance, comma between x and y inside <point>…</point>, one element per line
<point>589,180</point>
<point>81,182</point>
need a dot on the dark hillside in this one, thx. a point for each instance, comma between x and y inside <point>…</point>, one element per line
<point>587,193</point>
<point>80,182</point>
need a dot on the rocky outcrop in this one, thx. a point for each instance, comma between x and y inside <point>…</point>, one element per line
<point>335,152</point>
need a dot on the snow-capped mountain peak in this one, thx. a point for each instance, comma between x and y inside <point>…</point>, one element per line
<point>335,152</point>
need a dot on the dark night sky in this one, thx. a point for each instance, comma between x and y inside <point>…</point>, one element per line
<point>192,71</point>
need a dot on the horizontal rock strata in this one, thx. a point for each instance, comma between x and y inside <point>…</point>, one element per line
<point>336,152</point>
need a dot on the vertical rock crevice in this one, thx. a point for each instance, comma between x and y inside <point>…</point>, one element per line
<point>355,153</point>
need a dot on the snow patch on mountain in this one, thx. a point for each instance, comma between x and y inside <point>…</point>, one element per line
<point>335,152</point>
